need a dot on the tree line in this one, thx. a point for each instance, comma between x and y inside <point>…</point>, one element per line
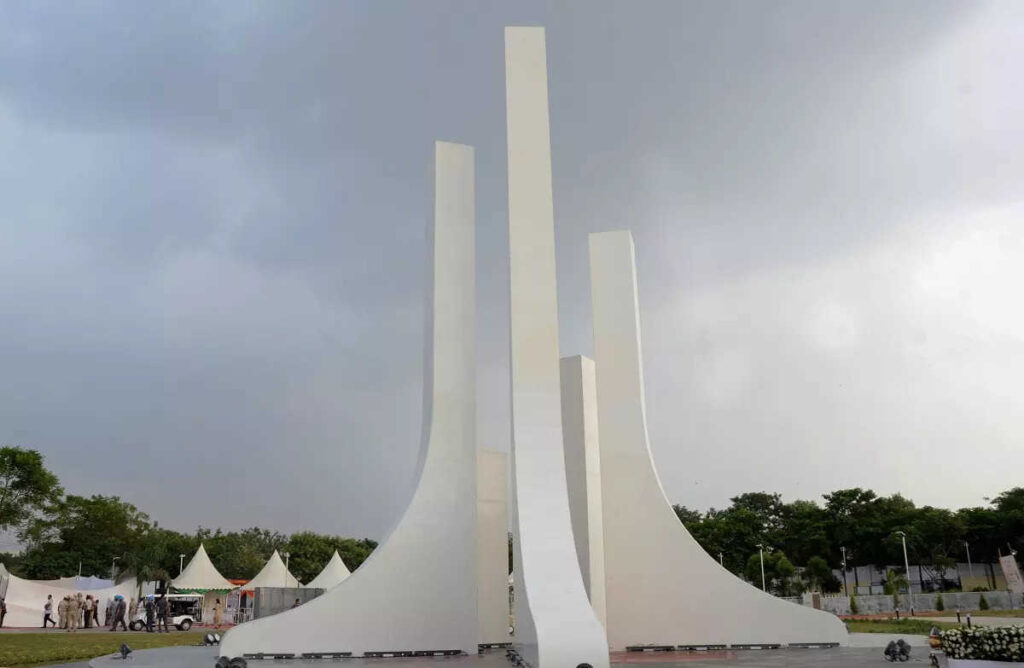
<point>64,534</point>
<point>804,533</point>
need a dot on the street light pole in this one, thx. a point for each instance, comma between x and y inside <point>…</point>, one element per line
<point>721,560</point>
<point>287,556</point>
<point>846,588</point>
<point>181,563</point>
<point>970,567</point>
<point>760,550</point>
<point>906,565</point>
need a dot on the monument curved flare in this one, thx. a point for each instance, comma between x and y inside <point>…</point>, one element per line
<point>417,592</point>
<point>662,588</point>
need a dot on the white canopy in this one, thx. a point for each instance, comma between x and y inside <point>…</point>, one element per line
<point>80,583</point>
<point>274,574</point>
<point>334,572</point>
<point>201,575</point>
<point>25,598</point>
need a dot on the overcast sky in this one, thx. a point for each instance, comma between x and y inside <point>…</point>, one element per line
<point>213,217</point>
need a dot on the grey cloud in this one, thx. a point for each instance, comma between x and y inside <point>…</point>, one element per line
<point>213,218</point>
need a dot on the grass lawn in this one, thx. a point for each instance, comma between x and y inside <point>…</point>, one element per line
<point>40,649</point>
<point>918,627</point>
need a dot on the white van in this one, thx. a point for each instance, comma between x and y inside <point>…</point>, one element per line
<point>185,610</point>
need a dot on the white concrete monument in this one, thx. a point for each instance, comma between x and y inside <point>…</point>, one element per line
<point>662,587</point>
<point>417,592</point>
<point>492,550</point>
<point>555,625</point>
<point>583,473</point>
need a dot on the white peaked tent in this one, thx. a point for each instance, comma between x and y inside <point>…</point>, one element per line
<point>201,576</point>
<point>334,572</point>
<point>274,574</point>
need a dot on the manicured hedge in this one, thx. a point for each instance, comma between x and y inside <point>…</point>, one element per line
<point>992,643</point>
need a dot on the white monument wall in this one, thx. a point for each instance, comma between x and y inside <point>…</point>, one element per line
<point>662,587</point>
<point>418,590</point>
<point>492,541</point>
<point>583,473</point>
<point>555,625</point>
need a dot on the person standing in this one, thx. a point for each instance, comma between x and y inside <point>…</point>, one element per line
<point>108,614</point>
<point>3,611</point>
<point>62,612</point>
<point>218,614</point>
<point>150,613</point>
<point>163,609</point>
<point>87,610</point>
<point>133,609</point>
<point>73,614</point>
<point>119,610</point>
<point>81,609</point>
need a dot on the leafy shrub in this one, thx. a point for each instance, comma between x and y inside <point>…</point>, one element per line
<point>854,608</point>
<point>939,605</point>
<point>1003,643</point>
<point>982,603</point>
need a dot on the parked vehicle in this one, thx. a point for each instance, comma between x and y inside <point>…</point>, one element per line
<point>185,610</point>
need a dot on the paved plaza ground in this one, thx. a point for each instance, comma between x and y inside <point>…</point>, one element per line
<point>840,657</point>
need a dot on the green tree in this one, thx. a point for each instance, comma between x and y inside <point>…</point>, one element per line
<point>778,572</point>
<point>818,574</point>
<point>26,487</point>
<point>894,583</point>
<point>310,552</point>
<point>93,532</point>
<point>241,554</point>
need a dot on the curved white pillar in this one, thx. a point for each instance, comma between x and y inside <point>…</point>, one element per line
<point>492,538</point>
<point>583,473</point>
<point>662,587</point>
<point>555,625</point>
<point>418,590</point>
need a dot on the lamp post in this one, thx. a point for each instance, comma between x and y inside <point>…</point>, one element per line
<point>846,588</point>
<point>760,551</point>
<point>181,563</point>
<point>721,560</point>
<point>906,565</point>
<point>286,558</point>
<point>970,566</point>
<point>113,568</point>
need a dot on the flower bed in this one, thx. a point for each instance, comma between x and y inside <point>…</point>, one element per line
<point>994,643</point>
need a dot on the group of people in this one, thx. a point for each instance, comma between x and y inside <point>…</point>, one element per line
<point>75,612</point>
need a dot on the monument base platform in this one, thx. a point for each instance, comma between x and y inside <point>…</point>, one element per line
<point>866,650</point>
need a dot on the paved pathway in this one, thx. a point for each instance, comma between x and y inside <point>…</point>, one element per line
<point>840,657</point>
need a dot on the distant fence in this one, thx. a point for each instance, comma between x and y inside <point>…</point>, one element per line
<point>882,603</point>
<point>272,600</point>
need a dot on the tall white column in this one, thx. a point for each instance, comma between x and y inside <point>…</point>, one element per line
<point>662,587</point>
<point>583,473</point>
<point>418,590</point>
<point>492,539</point>
<point>555,625</point>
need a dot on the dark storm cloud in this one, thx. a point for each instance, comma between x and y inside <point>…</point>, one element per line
<point>213,225</point>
